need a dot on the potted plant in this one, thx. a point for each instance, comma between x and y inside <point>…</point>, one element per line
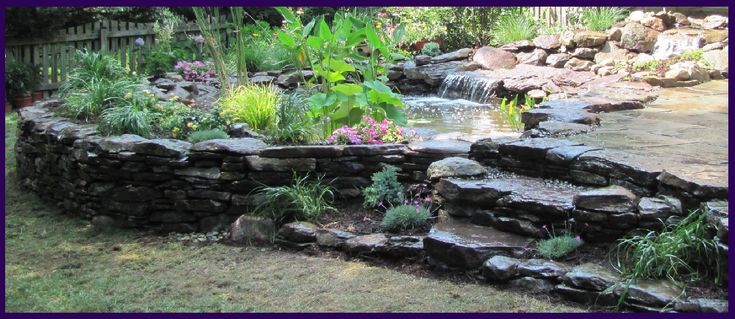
<point>20,80</point>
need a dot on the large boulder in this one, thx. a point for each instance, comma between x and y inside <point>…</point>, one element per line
<point>637,37</point>
<point>557,60</point>
<point>687,70</point>
<point>252,229</point>
<point>547,42</point>
<point>718,59</point>
<point>492,58</point>
<point>535,57</point>
<point>455,167</point>
<point>589,39</point>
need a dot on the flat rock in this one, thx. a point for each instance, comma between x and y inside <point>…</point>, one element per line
<point>441,147</point>
<point>162,147</point>
<point>240,146</point>
<point>532,285</point>
<point>432,74</point>
<point>533,148</point>
<point>702,305</point>
<point>298,232</point>
<point>621,165</point>
<point>459,244</point>
<point>542,268</point>
<point>258,163</point>
<point>532,118</point>
<point>661,207</point>
<point>613,199</point>
<point>455,167</point>
<point>535,57</point>
<point>332,237</point>
<point>590,276</point>
<point>651,293</point>
<point>366,244</point>
<point>199,172</point>
<point>120,143</point>
<point>701,187</point>
<point>302,151</point>
<point>379,149</point>
<point>564,155</point>
<point>500,268</point>
<point>460,54</point>
<point>480,192</point>
<point>587,297</point>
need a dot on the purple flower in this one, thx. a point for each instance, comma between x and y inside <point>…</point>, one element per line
<point>578,238</point>
<point>139,42</point>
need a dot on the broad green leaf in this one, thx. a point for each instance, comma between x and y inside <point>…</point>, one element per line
<point>308,28</point>
<point>338,65</point>
<point>324,32</point>
<point>314,42</point>
<point>396,114</point>
<point>348,89</point>
<point>286,40</point>
<point>398,33</point>
<point>355,115</point>
<point>372,36</point>
<point>333,77</point>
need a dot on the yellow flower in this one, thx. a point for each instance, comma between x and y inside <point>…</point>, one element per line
<point>128,95</point>
<point>194,127</point>
<point>174,98</point>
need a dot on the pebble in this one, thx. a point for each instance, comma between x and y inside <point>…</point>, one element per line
<point>210,237</point>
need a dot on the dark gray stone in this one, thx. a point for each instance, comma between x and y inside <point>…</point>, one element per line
<point>661,207</point>
<point>500,268</point>
<point>460,54</point>
<point>532,285</point>
<point>613,199</point>
<point>252,229</point>
<point>116,144</point>
<point>441,147</point>
<point>366,244</point>
<point>533,117</point>
<point>533,148</point>
<point>162,147</point>
<point>130,193</point>
<point>332,237</point>
<point>240,146</point>
<point>541,268</point>
<point>379,149</point>
<point>651,293</point>
<point>200,205</point>
<point>702,305</point>
<point>587,297</point>
<point>258,163</point>
<point>564,155</point>
<point>298,232</point>
<point>302,151</point>
<point>206,173</point>
<point>590,276</point>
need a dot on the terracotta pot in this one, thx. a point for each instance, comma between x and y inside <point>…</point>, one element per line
<point>23,101</point>
<point>8,107</point>
<point>37,96</point>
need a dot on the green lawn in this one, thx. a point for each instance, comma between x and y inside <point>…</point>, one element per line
<point>57,262</point>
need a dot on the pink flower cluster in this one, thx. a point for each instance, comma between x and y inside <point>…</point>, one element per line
<point>194,71</point>
<point>368,131</point>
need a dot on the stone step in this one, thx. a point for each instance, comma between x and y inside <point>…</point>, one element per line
<point>457,243</point>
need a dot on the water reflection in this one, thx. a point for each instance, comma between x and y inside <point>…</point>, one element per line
<point>457,118</point>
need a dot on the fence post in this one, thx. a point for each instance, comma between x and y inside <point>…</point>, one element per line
<point>104,41</point>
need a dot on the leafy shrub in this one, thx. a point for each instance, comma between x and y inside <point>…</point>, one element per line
<point>651,65</point>
<point>252,104</point>
<point>420,23</point>
<point>206,135</point>
<point>431,49</point>
<point>262,55</point>
<point>691,55</point>
<point>179,120</point>
<point>385,190</point>
<point>195,70</point>
<point>558,246</point>
<point>682,249</point>
<point>20,78</point>
<point>601,18</point>
<point>511,111</point>
<point>95,95</point>
<point>405,217</point>
<point>304,200</point>
<point>512,27</point>
<point>157,62</point>
<point>368,131</point>
<point>89,66</point>
<point>292,125</point>
<point>133,116</point>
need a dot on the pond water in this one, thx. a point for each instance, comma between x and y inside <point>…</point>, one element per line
<point>456,118</point>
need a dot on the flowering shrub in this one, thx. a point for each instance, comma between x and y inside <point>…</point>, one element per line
<point>368,131</point>
<point>194,71</point>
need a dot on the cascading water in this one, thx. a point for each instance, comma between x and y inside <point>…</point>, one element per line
<point>675,43</point>
<point>471,86</point>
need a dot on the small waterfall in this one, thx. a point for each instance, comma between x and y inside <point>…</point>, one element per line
<point>472,86</point>
<point>676,43</point>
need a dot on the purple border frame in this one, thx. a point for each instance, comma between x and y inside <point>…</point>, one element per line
<point>702,3</point>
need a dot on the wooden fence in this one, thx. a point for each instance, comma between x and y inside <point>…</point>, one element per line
<point>55,54</point>
<point>553,15</point>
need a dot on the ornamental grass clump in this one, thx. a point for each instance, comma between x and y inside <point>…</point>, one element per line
<point>304,200</point>
<point>557,246</point>
<point>601,18</point>
<point>206,135</point>
<point>132,116</point>
<point>405,217</point>
<point>514,26</point>
<point>680,251</point>
<point>255,105</point>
